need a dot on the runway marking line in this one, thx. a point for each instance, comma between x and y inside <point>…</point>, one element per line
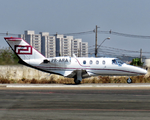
<point>108,110</point>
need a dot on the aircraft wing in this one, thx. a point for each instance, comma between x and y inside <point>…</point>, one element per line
<point>74,73</point>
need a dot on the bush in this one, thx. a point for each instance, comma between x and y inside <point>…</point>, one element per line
<point>99,79</point>
<point>8,57</point>
<point>3,80</point>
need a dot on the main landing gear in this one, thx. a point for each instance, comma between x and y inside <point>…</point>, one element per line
<point>78,77</point>
<point>129,80</point>
<point>77,81</point>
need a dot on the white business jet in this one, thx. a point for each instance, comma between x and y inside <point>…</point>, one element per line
<point>71,67</point>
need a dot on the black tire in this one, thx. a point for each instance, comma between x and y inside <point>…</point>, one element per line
<point>77,81</point>
<point>129,80</point>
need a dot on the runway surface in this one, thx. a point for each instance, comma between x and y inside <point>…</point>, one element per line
<point>74,104</point>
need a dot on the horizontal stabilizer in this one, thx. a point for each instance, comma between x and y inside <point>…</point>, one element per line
<point>12,38</point>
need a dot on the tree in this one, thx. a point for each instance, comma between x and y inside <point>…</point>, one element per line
<point>136,62</point>
<point>8,57</point>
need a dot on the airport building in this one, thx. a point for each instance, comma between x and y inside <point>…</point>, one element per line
<point>57,45</point>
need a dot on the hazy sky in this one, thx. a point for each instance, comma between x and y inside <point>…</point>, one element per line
<point>71,16</point>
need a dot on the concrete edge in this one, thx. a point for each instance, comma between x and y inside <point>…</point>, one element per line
<point>75,86</point>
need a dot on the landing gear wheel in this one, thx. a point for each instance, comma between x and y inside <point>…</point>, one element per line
<point>77,81</point>
<point>129,80</point>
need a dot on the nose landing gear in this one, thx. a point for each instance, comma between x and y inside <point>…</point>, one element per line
<point>129,80</point>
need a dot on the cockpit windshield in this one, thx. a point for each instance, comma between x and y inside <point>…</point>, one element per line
<point>117,62</point>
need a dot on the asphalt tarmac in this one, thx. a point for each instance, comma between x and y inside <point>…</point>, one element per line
<point>74,104</point>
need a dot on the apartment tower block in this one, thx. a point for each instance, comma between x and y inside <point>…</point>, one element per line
<point>57,45</point>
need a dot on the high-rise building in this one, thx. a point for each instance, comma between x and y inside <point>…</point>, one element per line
<point>58,45</point>
<point>75,47</point>
<point>84,49</point>
<point>63,45</point>
<point>67,46</point>
<point>48,45</point>
<point>32,38</point>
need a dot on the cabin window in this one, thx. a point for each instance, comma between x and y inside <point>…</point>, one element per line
<point>84,62</point>
<point>97,62</point>
<point>91,61</point>
<point>103,62</point>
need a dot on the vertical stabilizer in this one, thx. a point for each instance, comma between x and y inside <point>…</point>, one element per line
<point>23,49</point>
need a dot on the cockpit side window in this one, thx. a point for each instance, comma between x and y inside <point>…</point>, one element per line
<point>114,61</point>
<point>117,62</point>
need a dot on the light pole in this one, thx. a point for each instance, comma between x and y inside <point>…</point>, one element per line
<point>101,44</point>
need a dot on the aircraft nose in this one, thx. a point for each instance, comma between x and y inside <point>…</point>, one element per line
<point>139,71</point>
<point>142,71</point>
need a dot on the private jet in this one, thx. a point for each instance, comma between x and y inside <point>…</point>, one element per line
<point>72,67</point>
